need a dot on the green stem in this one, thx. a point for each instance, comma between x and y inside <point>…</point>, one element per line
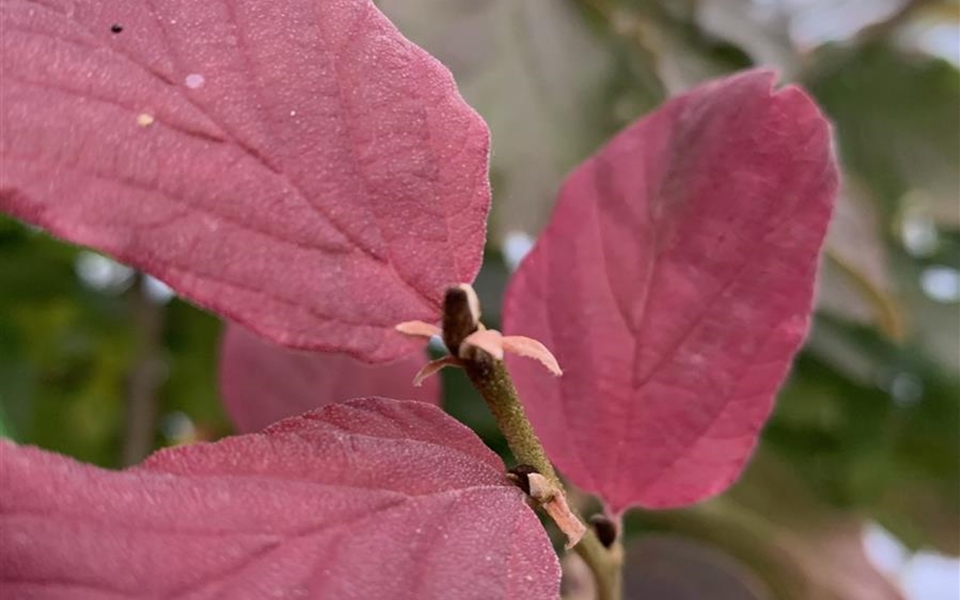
<point>496,387</point>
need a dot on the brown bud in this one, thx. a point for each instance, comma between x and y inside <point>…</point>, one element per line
<point>605,529</point>
<point>461,316</point>
<point>520,475</point>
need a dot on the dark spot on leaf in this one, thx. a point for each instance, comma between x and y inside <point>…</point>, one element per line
<point>116,28</point>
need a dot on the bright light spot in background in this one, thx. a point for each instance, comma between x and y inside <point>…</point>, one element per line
<point>102,274</point>
<point>906,388</point>
<point>929,576</point>
<point>815,22</point>
<point>937,38</point>
<point>884,551</point>
<point>437,345</point>
<point>516,245</point>
<point>156,290</point>
<point>941,284</point>
<point>919,234</point>
<point>178,428</point>
<point>922,576</point>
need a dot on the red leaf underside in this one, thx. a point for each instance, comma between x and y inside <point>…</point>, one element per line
<point>674,284</point>
<point>296,165</point>
<point>262,383</point>
<point>373,498</point>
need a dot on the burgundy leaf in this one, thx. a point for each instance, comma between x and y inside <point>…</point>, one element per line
<point>296,165</point>
<point>262,383</point>
<point>674,284</point>
<point>373,498</point>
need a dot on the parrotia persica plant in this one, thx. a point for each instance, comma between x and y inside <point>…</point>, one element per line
<point>300,168</point>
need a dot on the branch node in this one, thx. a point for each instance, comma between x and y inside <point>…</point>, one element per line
<point>520,475</point>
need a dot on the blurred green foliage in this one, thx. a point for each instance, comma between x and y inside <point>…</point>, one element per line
<point>67,353</point>
<point>868,426</point>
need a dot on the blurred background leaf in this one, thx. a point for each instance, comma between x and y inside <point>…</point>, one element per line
<point>801,548</point>
<point>542,78</point>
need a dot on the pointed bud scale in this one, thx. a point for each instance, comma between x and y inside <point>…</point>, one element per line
<point>553,500</point>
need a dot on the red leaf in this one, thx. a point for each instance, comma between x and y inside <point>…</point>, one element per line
<point>262,383</point>
<point>374,498</point>
<point>296,165</point>
<point>674,284</point>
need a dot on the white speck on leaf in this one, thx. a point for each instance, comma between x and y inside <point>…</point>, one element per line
<point>194,80</point>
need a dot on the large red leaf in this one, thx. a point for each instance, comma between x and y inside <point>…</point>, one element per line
<point>296,165</point>
<point>674,283</point>
<point>262,383</point>
<point>370,499</point>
